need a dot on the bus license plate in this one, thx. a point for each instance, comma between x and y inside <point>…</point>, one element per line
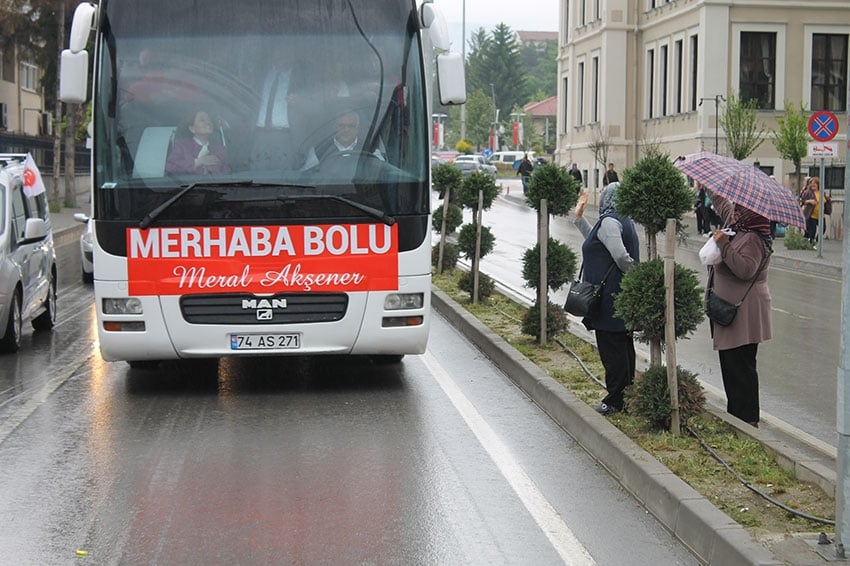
<point>265,341</point>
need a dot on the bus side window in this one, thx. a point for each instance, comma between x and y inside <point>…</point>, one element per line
<point>153,151</point>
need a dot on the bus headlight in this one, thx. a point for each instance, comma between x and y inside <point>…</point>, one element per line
<point>130,305</point>
<point>403,301</point>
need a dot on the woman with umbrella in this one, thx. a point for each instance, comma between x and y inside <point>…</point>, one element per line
<point>741,276</point>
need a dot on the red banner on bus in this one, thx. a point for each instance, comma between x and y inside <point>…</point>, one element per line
<point>262,259</point>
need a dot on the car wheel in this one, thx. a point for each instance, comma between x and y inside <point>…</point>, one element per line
<point>11,341</point>
<point>47,319</point>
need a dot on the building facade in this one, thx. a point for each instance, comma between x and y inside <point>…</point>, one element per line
<point>21,101</point>
<point>639,73</point>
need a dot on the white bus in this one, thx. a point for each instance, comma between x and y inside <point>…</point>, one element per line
<point>261,173</point>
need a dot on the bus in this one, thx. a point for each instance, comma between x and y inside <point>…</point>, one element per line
<point>260,173</point>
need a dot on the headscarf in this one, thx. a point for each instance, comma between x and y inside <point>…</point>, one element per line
<point>739,218</point>
<point>608,199</point>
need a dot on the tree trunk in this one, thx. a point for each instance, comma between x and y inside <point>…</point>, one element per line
<point>57,113</point>
<point>70,169</point>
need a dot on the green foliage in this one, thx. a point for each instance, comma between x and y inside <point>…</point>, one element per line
<point>641,302</point>
<point>744,133</point>
<point>792,137</point>
<point>454,218</point>
<point>796,240</point>
<point>560,265</point>
<point>486,285</point>
<point>446,175</point>
<point>542,69</point>
<point>652,191</point>
<point>556,320</point>
<point>450,255</point>
<point>494,59</point>
<point>467,194</point>
<point>649,396</point>
<point>466,241</point>
<point>554,183</point>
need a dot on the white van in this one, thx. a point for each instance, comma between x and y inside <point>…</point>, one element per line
<point>509,157</point>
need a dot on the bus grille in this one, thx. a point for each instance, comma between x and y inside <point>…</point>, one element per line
<point>287,308</point>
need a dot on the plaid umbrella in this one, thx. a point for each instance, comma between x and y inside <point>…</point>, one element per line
<point>743,184</point>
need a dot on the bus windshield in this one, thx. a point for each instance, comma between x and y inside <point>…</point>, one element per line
<point>255,101</point>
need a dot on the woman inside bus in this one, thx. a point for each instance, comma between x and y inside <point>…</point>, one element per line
<point>194,150</point>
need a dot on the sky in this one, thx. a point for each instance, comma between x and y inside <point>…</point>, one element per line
<point>519,15</point>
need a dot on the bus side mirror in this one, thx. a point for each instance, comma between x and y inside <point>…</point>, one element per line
<point>451,79</point>
<point>73,76</point>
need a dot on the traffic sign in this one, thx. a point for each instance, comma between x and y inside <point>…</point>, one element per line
<point>823,126</point>
<point>823,149</point>
<point>487,153</point>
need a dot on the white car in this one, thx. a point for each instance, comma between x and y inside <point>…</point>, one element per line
<point>475,164</point>
<point>86,249</point>
<point>27,258</point>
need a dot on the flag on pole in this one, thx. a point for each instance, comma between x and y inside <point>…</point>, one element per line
<point>33,185</point>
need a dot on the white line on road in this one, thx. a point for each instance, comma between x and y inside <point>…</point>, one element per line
<point>562,538</point>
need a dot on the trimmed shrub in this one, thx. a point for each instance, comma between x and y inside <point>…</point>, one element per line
<point>450,255</point>
<point>466,241</point>
<point>653,190</point>
<point>446,175</point>
<point>555,184</point>
<point>486,285</point>
<point>556,320</point>
<point>560,265</point>
<point>454,218</point>
<point>467,194</point>
<point>649,396</point>
<point>641,301</point>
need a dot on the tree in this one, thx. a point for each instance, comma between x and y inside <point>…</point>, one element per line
<point>505,70</point>
<point>791,139</point>
<point>744,133</point>
<point>599,146</point>
<point>541,69</point>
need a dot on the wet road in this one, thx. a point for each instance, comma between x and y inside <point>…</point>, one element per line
<point>797,369</point>
<point>438,460</point>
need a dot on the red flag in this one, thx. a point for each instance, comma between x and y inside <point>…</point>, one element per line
<point>33,185</point>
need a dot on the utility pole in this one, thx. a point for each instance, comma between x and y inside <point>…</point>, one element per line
<point>463,57</point>
<point>716,98</point>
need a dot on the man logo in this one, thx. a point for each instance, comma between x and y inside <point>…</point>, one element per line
<point>265,314</point>
<point>263,304</point>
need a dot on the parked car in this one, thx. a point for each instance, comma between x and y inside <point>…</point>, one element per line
<point>27,258</point>
<point>475,164</point>
<point>86,248</point>
<point>510,159</point>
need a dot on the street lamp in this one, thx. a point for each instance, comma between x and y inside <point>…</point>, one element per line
<point>439,130</point>
<point>716,98</point>
<point>494,134</point>
<point>463,57</point>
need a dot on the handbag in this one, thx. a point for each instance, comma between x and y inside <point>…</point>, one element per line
<point>583,297</point>
<point>709,254</point>
<point>827,206</point>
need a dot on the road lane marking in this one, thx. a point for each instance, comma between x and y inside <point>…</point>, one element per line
<point>547,518</point>
<point>19,415</point>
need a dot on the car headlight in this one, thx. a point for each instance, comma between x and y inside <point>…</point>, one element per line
<point>129,305</point>
<point>403,301</point>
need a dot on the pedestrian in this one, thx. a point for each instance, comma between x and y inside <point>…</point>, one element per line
<point>741,276</point>
<point>703,223</point>
<point>525,169</point>
<point>810,205</point>
<point>610,249</point>
<point>610,176</point>
<point>576,174</point>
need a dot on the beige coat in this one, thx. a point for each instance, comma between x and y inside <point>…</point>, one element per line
<point>742,256</point>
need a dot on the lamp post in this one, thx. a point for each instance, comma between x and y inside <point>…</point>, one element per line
<point>439,130</point>
<point>463,57</point>
<point>494,133</point>
<point>716,98</point>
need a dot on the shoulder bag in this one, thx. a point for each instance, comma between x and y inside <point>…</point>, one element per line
<point>584,296</point>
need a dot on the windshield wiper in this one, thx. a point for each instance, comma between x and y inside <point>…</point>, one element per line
<point>373,212</point>
<point>151,216</point>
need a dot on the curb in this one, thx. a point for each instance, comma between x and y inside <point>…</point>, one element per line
<point>712,536</point>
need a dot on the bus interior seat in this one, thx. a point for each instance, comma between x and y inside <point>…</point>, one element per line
<point>152,151</point>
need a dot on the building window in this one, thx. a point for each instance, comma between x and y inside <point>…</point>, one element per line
<point>758,69</point>
<point>679,78</point>
<point>566,21</point>
<point>582,19</point>
<point>664,79</point>
<point>29,77</point>
<point>829,72</point>
<point>565,110</point>
<point>580,95</point>
<point>594,70</point>
<point>694,71</point>
<point>650,81</point>
<point>7,65</point>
